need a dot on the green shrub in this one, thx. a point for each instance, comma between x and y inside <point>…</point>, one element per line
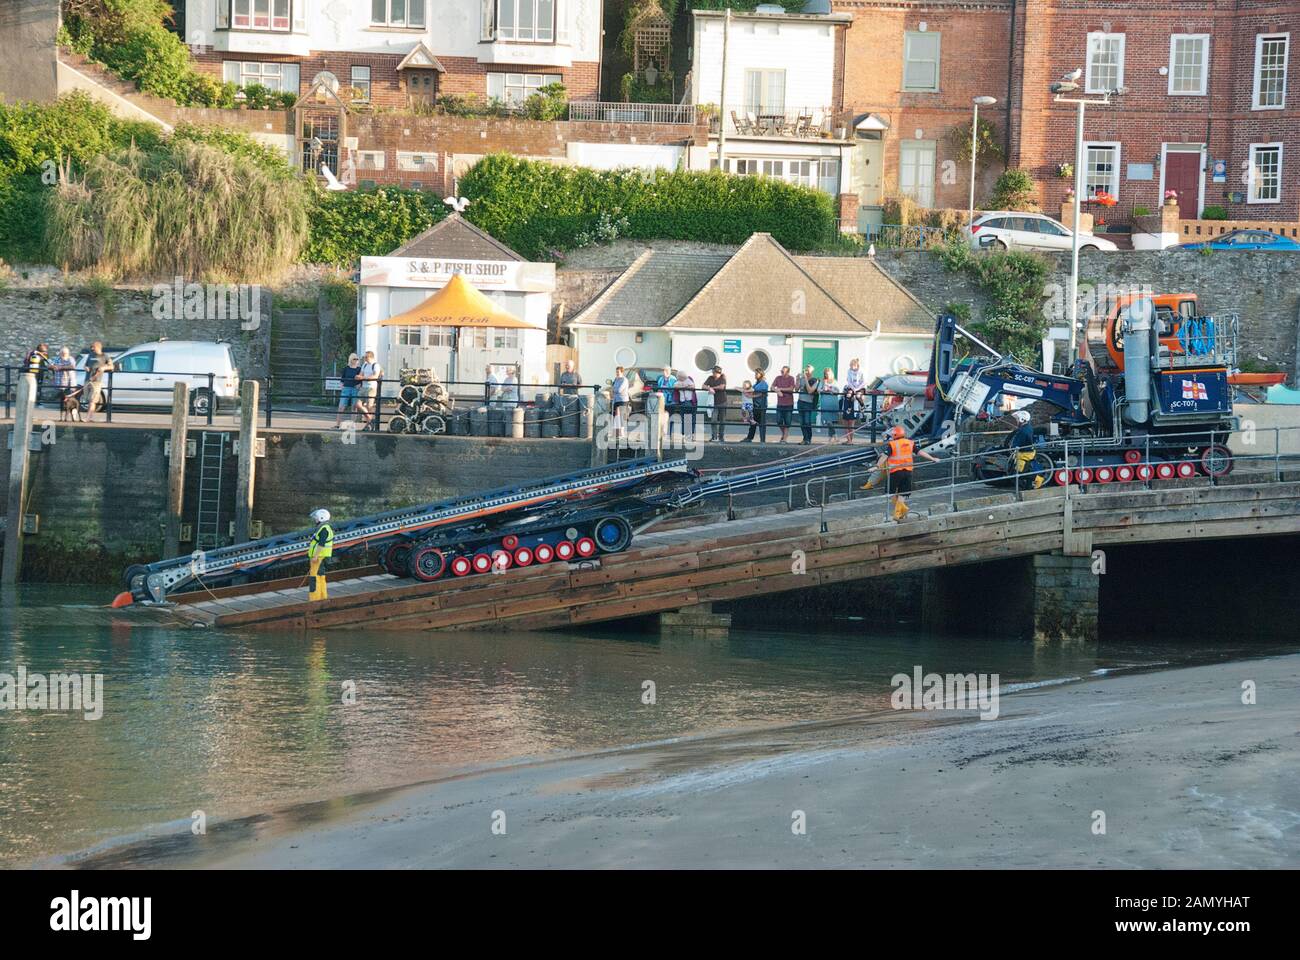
<point>23,202</point>
<point>349,224</point>
<point>551,102</point>
<point>1141,211</point>
<point>240,145</point>
<point>987,148</point>
<point>1014,190</point>
<point>1214,212</point>
<point>73,128</point>
<point>538,207</point>
<point>1013,282</point>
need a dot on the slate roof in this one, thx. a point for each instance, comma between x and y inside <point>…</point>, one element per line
<point>455,238</point>
<point>652,290</point>
<point>760,287</point>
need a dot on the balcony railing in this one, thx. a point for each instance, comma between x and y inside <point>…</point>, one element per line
<point>607,112</point>
<point>802,123</point>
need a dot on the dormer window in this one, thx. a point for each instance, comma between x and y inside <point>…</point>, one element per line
<point>529,21</point>
<point>277,16</point>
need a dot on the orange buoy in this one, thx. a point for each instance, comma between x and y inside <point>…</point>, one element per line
<point>123,599</point>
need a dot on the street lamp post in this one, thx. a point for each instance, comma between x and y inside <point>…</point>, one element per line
<point>1069,83</point>
<point>974,146</point>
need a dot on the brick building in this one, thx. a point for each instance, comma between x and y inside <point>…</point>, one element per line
<point>396,53</point>
<point>1209,109</point>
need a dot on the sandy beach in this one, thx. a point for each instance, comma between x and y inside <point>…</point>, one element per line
<point>1185,774</point>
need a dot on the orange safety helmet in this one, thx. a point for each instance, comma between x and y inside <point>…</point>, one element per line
<point>896,433</point>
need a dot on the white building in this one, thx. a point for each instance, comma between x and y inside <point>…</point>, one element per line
<point>419,268</point>
<point>778,102</point>
<point>758,308</point>
<point>488,48</point>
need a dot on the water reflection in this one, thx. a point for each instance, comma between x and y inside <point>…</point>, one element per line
<point>234,724</point>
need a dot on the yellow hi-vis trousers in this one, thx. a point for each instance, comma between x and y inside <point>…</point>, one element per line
<point>1024,459</point>
<point>318,591</point>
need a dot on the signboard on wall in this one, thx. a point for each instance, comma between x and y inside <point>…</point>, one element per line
<point>484,274</point>
<point>1141,171</point>
<point>731,346</point>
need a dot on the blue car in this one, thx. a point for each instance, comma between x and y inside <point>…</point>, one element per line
<point>1244,240</point>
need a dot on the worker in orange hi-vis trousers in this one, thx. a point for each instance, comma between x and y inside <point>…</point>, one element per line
<point>321,547</point>
<point>898,459</point>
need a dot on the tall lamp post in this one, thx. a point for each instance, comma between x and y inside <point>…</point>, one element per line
<point>1069,83</point>
<point>974,146</point>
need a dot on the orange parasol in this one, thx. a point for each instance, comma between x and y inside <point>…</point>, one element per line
<point>457,304</point>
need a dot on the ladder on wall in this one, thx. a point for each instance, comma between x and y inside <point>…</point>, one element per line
<point>212,460</point>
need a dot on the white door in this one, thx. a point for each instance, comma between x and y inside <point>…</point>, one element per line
<point>916,170</point>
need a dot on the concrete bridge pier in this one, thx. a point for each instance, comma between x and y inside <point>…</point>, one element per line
<point>1047,598</point>
<point>699,622</point>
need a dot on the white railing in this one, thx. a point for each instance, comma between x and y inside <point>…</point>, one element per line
<point>607,112</point>
<point>804,123</point>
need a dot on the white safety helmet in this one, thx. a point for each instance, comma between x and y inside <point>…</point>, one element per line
<point>320,516</point>
<point>1021,416</point>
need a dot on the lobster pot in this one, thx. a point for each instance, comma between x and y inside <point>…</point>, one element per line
<point>478,421</point>
<point>584,415</point>
<point>532,423</point>
<point>496,422</point>
<point>516,422</point>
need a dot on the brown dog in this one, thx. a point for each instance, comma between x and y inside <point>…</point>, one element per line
<point>70,405</point>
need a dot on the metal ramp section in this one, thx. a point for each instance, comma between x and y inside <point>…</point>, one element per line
<point>212,462</point>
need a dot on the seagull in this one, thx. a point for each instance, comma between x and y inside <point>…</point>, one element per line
<point>331,181</point>
<point>1073,76</point>
<point>456,203</point>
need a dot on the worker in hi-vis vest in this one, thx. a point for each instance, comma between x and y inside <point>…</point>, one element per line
<point>898,460</point>
<point>321,547</point>
<point>1022,446</point>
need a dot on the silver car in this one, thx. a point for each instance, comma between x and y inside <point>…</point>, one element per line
<point>1007,229</point>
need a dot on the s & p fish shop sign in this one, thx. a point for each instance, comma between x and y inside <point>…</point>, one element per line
<point>483,274</point>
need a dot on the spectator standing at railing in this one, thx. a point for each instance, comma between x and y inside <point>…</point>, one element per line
<point>688,403</point>
<point>716,384</point>
<point>620,400</point>
<point>491,386</point>
<point>510,388</point>
<point>348,393</point>
<point>808,386</point>
<point>570,379</point>
<point>784,386</point>
<point>37,362</point>
<point>371,375</point>
<point>758,394</point>
<point>828,392</point>
<point>667,387</point>
<point>65,380</point>
<point>98,366</point>
<point>854,383</point>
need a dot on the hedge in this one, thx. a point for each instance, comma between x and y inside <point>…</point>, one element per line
<point>539,208</point>
<point>368,223</point>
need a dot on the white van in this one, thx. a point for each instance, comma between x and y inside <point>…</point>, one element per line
<point>143,376</point>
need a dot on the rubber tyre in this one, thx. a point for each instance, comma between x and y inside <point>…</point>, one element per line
<point>397,558</point>
<point>427,564</point>
<point>200,402</point>
<point>132,572</point>
<point>1216,460</point>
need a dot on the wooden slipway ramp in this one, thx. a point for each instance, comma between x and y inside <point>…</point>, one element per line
<point>717,560</point>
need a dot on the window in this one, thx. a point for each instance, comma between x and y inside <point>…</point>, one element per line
<point>765,91</point>
<point>515,88</point>
<point>417,162</point>
<point>822,174</point>
<point>282,77</point>
<point>397,13</point>
<point>370,159</point>
<point>136,362</point>
<point>504,338</point>
<point>408,336</point>
<point>921,61</point>
<point>1189,61</point>
<point>759,360</point>
<point>361,83</point>
<point>829,176</point>
<point>1101,169</point>
<point>532,21</point>
<point>1105,62</point>
<point>279,15</point>
<point>1270,71</point>
<point>1265,174</point>
<point>706,360</point>
<point>916,170</point>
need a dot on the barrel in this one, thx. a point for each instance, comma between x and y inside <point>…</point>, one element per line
<point>516,422</point>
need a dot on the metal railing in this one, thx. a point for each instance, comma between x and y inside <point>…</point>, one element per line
<point>604,111</point>
<point>909,236</point>
<point>114,391</point>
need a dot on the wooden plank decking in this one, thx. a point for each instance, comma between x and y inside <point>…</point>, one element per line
<point>727,560</point>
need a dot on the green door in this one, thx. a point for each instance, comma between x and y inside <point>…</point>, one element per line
<point>822,354</point>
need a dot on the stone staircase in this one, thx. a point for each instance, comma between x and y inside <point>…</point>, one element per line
<point>295,356</point>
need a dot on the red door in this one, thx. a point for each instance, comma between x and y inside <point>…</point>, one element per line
<point>1183,174</point>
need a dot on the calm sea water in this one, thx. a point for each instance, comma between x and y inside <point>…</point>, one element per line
<point>234,723</point>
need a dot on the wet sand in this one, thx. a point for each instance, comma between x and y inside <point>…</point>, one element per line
<point>1185,774</point>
